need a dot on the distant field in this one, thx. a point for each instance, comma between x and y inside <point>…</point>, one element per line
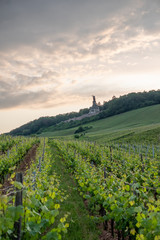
<point>137,125</point>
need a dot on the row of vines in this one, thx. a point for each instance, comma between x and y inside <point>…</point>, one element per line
<point>42,198</point>
<point>14,149</point>
<point>120,182</point>
<point>123,185</point>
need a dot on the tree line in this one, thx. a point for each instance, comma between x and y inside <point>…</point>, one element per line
<point>112,107</point>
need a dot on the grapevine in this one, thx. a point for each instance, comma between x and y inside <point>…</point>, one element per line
<point>127,194</point>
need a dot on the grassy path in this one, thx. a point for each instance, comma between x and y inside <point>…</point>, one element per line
<point>82,227</point>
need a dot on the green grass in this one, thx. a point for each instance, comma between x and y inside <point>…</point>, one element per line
<point>81,226</point>
<point>136,122</point>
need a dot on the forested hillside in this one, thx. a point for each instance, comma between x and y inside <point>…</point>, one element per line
<point>110,108</point>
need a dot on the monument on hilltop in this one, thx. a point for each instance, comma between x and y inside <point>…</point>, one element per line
<point>95,108</point>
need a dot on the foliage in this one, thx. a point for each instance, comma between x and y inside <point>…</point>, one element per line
<point>76,136</point>
<point>149,136</point>
<point>6,142</point>
<point>140,126</point>
<point>14,155</point>
<point>40,124</point>
<point>129,102</point>
<point>130,191</point>
<point>42,200</point>
<point>115,106</point>
<point>81,225</point>
<point>82,129</point>
<point>122,179</point>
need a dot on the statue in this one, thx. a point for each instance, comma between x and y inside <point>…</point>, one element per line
<point>94,99</point>
<point>94,109</point>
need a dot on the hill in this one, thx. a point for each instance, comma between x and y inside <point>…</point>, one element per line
<point>140,125</point>
<point>113,107</point>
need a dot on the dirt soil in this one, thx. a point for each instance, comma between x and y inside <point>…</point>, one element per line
<point>23,166</point>
<point>107,234</point>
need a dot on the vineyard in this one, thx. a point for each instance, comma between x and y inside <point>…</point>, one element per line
<point>119,183</point>
<point>12,152</point>
<point>41,200</point>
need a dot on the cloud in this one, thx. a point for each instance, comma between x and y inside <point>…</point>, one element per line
<point>52,51</point>
<point>25,90</point>
<point>29,23</point>
<point>9,100</point>
<point>47,79</point>
<point>73,29</point>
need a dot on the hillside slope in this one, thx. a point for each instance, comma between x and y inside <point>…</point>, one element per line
<point>136,123</point>
<point>110,108</point>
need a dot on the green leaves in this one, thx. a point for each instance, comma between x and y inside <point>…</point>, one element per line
<point>126,193</point>
<point>127,187</point>
<point>138,209</point>
<point>18,185</point>
<point>41,206</point>
<point>52,235</point>
<point>17,148</point>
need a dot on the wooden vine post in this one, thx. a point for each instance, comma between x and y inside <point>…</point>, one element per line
<point>110,148</point>
<point>102,210</point>
<point>18,202</point>
<point>105,174</point>
<point>142,168</point>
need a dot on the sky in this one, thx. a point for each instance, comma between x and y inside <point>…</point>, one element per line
<point>56,54</point>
